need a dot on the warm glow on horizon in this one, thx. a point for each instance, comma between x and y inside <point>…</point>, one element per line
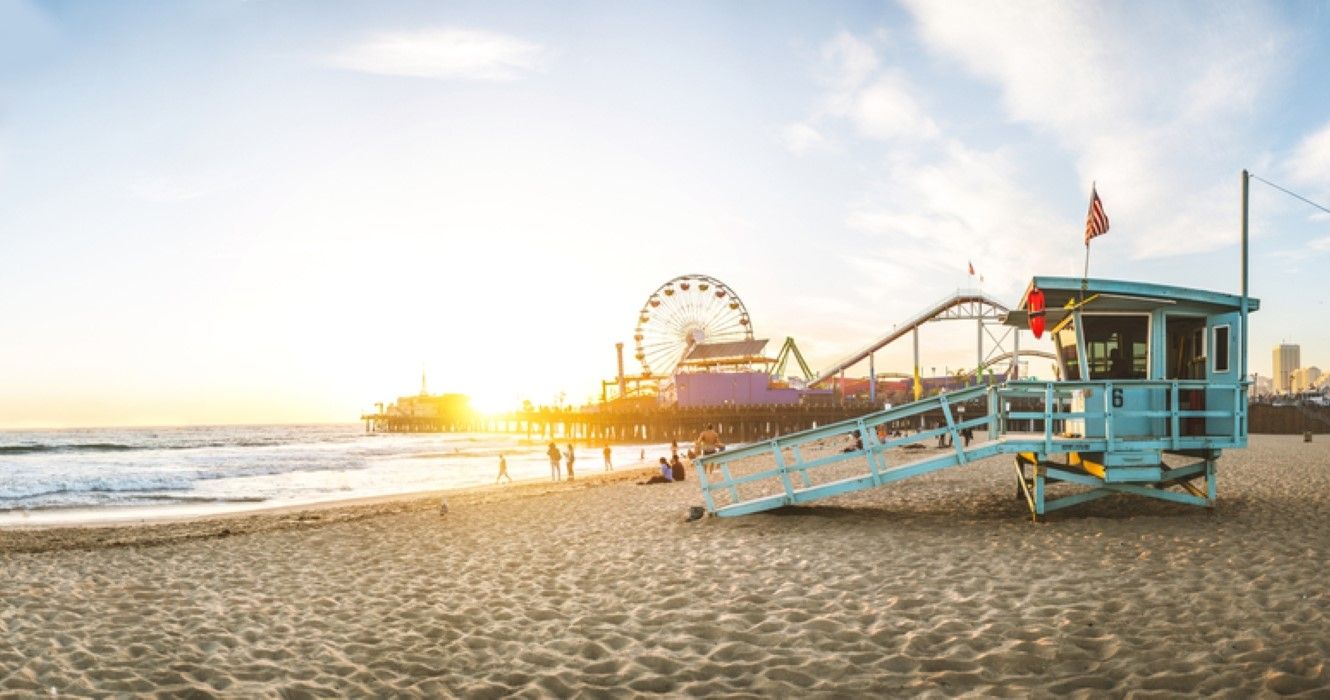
<point>493,404</point>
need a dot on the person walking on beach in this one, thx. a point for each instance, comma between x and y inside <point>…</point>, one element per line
<point>570,457</point>
<point>609,467</point>
<point>503,471</point>
<point>554,455</point>
<point>708,442</point>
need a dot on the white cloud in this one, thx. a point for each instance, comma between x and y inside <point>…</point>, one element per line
<point>848,62</point>
<point>1148,100</point>
<point>463,54</point>
<point>935,201</point>
<point>1031,51</point>
<point>887,110</point>
<point>801,138</point>
<point>962,204</point>
<point>879,103</point>
<point>1310,163</point>
<point>1145,99</point>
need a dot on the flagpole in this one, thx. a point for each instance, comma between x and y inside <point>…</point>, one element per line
<point>1085,276</point>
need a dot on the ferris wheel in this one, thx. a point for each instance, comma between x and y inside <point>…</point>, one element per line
<point>687,310</point>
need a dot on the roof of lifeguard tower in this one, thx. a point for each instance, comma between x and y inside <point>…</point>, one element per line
<point>1119,295</point>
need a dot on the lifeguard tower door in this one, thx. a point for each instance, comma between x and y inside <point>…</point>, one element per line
<point>1223,331</point>
<point>1185,359</point>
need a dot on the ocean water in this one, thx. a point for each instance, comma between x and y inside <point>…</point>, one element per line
<point>100,474</point>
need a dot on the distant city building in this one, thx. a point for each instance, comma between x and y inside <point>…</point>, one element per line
<point>1286,359</point>
<point>1305,378</point>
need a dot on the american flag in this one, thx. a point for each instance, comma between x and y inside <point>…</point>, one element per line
<point>1096,221</point>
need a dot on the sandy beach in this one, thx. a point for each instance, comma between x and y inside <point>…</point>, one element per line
<point>937,586</point>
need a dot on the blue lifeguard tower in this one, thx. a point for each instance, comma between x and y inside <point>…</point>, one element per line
<point>1144,371</point>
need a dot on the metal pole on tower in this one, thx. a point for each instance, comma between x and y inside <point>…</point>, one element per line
<point>1246,178</point>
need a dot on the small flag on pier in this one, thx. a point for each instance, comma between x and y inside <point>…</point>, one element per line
<point>1096,221</point>
<point>967,262</point>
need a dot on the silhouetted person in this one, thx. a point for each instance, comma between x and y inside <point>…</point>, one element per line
<point>676,468</point>
<point>708,441</point>
<point>1118,367</point>
<point>503,471</point>
<point>570,457</point>
<point>609,467</point>
<point>555,456</point>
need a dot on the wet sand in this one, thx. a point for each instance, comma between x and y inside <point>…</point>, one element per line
<point>937,586</point>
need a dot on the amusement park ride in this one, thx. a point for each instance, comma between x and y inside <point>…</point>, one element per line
<point>694,328</point>
<point>690,326</point>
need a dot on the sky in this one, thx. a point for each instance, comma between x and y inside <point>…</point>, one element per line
<point>266,211</point>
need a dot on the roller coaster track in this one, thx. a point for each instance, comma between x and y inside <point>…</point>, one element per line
<point>963,305</point>
<point>1009,356</point>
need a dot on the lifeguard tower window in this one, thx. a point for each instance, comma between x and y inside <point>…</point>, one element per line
<point>1118,346</point>
<point>1221,349</point>
<point>1065,339</point>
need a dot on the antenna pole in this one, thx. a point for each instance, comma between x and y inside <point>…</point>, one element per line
<point>1246,178</point>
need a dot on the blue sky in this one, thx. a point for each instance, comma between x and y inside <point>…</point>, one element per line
<point>279,211</point>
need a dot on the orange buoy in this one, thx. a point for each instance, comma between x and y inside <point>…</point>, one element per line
<point>1036,308</point>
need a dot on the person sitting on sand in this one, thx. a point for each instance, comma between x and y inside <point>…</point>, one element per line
<point>676,468</point>
<point>503,471</point>
<point>858,443</point>
<point>555,456</point>
<point>665,476</point>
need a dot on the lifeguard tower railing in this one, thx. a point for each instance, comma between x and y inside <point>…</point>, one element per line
<point>1120,454</point>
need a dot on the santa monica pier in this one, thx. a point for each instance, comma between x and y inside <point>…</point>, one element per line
<point>695,361</point>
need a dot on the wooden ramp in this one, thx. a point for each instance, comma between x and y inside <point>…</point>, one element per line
<point>1025,418</point>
